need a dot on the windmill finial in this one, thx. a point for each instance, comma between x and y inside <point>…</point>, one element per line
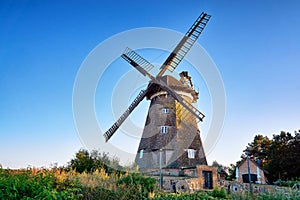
<point>186,80</point>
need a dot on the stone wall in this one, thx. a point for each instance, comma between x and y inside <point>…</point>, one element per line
<point>234,186</point>
<point>202,168</point>
<point>185,180</point>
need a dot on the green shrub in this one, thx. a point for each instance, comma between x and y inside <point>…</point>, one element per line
<point>98,193</point>
<point>219,193</point>
<point>33,184</point>
<point>137,185</point>
<point>290,183</point>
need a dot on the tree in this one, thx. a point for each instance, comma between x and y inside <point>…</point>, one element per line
<point>284,157</point>
<point>82,162</point>
<point>259,149</point>
<point>293,162</point>
<point>90,162</point>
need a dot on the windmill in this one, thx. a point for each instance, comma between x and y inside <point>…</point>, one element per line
<point>171,136</point>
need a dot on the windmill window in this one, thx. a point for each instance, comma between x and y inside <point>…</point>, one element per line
<point>164,129</point>
<point>191,153</point>
<point>141,153</point>
<point>165,110</point>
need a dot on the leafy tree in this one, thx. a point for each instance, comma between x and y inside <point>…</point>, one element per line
<point>293,162</point>
<point>284,157</point>
<point>90,162</point>
<point>259,149</point>
<point>82,162</point>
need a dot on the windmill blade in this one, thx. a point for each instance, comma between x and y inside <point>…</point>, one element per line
<point>109,133</point>
<point>131,56</point>
<point>185,44</point>
<point>138,62</point>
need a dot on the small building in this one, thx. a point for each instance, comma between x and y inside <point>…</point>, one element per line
<point>256,173</point>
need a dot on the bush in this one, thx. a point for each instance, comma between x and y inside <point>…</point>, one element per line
<point>219,193</point>
<point>290,183</point>
<point>138,185</point>
<point>98,193</point>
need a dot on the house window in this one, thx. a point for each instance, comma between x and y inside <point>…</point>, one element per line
<point>164,129</point>
<point>165,110</point>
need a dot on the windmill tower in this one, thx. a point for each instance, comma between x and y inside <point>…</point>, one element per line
<point>171,137</point>
<point>171,132</point>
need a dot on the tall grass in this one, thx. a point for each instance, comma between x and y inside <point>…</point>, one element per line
<point>61,184</point>
<point>37,184</point>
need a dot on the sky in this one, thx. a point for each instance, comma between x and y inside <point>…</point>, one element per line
<point>255,45</point>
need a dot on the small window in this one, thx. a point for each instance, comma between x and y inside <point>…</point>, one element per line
<point>191,153</point>
<point>164,129</point>
<point>165,110</point>
<point>141,153</point>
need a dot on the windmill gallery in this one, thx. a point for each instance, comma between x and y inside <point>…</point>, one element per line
<point>171,144</point>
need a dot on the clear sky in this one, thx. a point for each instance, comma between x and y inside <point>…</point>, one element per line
<point>255,45</point>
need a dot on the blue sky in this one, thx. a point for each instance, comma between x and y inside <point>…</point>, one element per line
<point>255,45</point>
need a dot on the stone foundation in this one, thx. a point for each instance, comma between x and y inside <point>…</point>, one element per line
<point>189,179</point>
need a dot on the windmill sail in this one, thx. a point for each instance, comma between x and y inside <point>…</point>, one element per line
<point>185,44</point>
<point>108,134</point>
<point>129,53</point>
<point>135,59</point>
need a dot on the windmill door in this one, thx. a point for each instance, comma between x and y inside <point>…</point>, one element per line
<point>207,180</point>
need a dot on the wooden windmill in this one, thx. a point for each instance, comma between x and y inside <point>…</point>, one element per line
<point>171,135</point>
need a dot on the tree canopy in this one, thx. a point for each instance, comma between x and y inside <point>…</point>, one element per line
<point>90,162</point>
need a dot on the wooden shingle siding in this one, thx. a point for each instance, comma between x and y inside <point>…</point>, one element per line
<point>183,132</point>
